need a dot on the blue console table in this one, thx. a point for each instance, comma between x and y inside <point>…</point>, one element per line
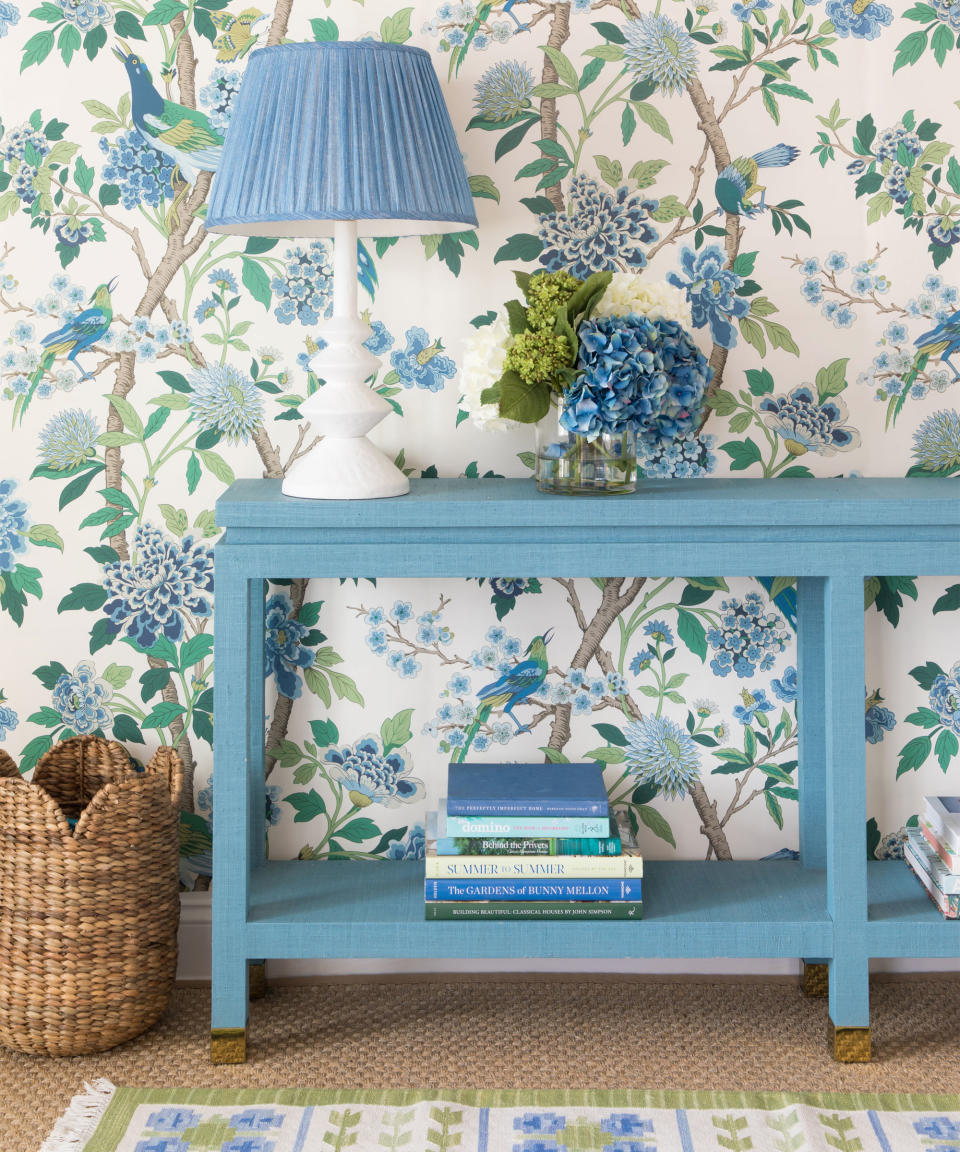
<point>831,908</point>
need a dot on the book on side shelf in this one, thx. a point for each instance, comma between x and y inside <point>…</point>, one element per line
<point>526,790</point>
<point>570,888</point>
<point>532,910</point>
<point>919,857</point>
<point>543,827</point>
<point>950,858</point>
<point>943,816</point>
<point>608,845</point>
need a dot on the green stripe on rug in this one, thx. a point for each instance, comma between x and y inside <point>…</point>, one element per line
<point>302,1120</point>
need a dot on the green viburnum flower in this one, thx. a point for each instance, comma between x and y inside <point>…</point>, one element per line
<point>547,293</point>
<point>538,356</point>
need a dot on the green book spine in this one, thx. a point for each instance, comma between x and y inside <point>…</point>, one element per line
<point>534,910</point>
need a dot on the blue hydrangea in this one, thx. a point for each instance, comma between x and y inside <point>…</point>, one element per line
<point>747,638</point>
<point>226,400</point>
<point>284,651</point>
<point>877,719</point>
<point>13,526</point>
<point>635,373</point>
<point>304,290</point>
<point>852,18</point>
<point>945,698</point>
<point>372,777</point>
<point>69,439</point>
<point>414,845</point>
<point>785,688</point>
<point>936,443</point>
<point>422,363</point>
<point>81,698</point>
<point>8,718</point>
<point>661,51</point>
<point>217,96</point>
<point>889,142</point>
<point>142,174</point>
<point>600,231</point>
<point>753,702</point>
<point>808,425</point>
<point>711,290</point>
<point>686,458</point>
<point>661,753</point>
<point>504,90</point>
<point>9,15</point>
<point>171,582</point>
<point>86,14</point>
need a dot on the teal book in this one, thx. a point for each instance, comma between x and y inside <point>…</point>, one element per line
<point>526,790</point>
<point>531,910</point>
<point>609,845</point>
<point>554,888</point>
<point>537,826</point>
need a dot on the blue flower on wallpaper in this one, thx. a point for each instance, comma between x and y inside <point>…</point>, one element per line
<point>421,364</point>
<point>936,443</point>
<point>412,847</point>
<point>508,586</point>
<point>401,611</point>
<point>504,90</point>
<point>748,639</point>
<point>217,96</point>
<point>891,848</point>
<point>226,400</point>
<point>889,142</point>
<point>142,173</point>
<point>753,702</point>
<point>945,698</point>
<point>948,12</point>
<point>877,719</point>
<point>405,665</point>
<point>711,290</point>
<point>304,290</point>
<point>81,699</point>
<point>659,631</point>
<point>8,718</point>
<point>9,15</point>
<point>854,18</point>
<point>683,458</point>
<point>662,753</point>
<point>661,51</point>
<point>600,231</point>
<point>16,141</point>
<point>785,688</point>
<point>642,661</point>
<point>379,340</point>
<point>372,777</point>
<point>73,232</point>
<point>69,439</point>
<point>284,652</point>
<point>171,580</point>
<point>86,14</point>
<point>744,11</point>
<point>807,425</point>
<point>13,526</point>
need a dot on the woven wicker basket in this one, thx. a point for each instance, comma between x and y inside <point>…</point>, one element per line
<point>88,915</point>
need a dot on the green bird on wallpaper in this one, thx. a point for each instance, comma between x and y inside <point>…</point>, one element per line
<point>514,686</point>
<point>84,330</point>
<point>737,183</point>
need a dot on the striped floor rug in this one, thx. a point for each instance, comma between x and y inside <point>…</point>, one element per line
<point>108,1119</point>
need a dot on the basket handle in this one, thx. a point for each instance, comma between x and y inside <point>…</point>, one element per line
<point>8,767</point>
<point>167,762</point>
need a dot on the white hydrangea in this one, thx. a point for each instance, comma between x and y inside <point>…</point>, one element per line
<point>629,292</point>
<point>483,358</point>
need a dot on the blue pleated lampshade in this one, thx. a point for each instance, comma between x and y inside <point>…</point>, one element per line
<point>340,131</point>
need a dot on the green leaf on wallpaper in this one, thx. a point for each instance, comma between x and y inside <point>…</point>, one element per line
<point>669,208</point>
<point>345,687</point>
<point>325,732</point>
<point>154,680</point>
<point>606,755</point>
<point>216,464</point>
<point>657,823</point>
<point>164,11</point>
<point>710,583</point>
<point>946,748</point>
<point>925,674</point>
<point>100,635</point>
<point>538,205</point>
<point>48,13</point>
<point>879,206</point>
<point>771,105</point>
<point>873,838</point>
<point>653,118</point>
<point>921,13</point>
<point>553,755</point>
<point>591,71</point>
<point>83,174</point>
<point>781,584</point>
<point>255,280</point>
<point>483,186</point>
<point>37,49</point>
<point>910,49</point>
<point>751,331</point>
<point>193,473</point>
<point>832,380</point>
<point>163,714</point>
<point>117,674</point>
<point>33,751</point>
<point>308,805</point>
<point>175,519</point>
<point>318,684</point>
<point>548,91</point>
<point>742,453</point>
<point>173,400</point>
<point>127,413</point>
<point>46,716</point>
<point>724,403</point>
<point>45,536</point>
<point>49,674</point>
<point>924,718</point>
<point>692,633</point>
<point>759,380</point>
<point>509,140</point>
<point>779,336</point>
<point>395,731</point>
<point>94,41</point>
<point>605,52</point>
<point>357,830</point>
<point>325,29</point>
<point>83,598</point>
<point>611,734</point>
<point>195,650</point>
<point>913,754</point>
<point>610,32</point>
<point>395,29</point>
<point>628,124</point>
<point>128,26</point>
<point>773,807</point>
<point>949,601</point>
<point>611,171</point>
<point>203,25</point>
<point>563,66</point>
<point>645,172</point>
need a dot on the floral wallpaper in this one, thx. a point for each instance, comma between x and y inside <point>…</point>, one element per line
<point>790,170</point>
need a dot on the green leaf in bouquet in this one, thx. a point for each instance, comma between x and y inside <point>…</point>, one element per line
<point>523,281</point>
<point>517,315</point>
<point>521,401</point>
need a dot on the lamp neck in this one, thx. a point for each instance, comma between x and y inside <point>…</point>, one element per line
<point>345,269</point>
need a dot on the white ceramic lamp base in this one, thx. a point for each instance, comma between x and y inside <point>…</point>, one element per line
<point>345,465</point>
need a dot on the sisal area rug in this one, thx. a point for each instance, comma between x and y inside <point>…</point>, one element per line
<point>108,1119</point>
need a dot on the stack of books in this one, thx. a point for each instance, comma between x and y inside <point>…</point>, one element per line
<point>933,852</point>
<point>530,842</point>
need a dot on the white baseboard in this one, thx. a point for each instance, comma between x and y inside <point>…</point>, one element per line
<point>195,960</point>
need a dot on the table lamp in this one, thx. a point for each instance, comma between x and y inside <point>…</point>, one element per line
<point>341,139</point>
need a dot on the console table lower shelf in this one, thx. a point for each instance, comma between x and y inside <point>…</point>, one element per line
<point>694,910</point>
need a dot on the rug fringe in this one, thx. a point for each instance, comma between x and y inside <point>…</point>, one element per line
<point>75,1127</point>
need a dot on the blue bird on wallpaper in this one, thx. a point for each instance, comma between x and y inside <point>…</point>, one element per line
<point>737,183</point>
<point>508,11</point>
<point>183,134</point>
<point>942,341</point>
<point>83,331</point>
<point>513,687</point>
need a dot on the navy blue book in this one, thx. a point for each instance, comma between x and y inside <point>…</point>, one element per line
<point>526,790</point>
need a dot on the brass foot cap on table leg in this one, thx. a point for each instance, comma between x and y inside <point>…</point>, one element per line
<point>258,980</point>
<point>816,979</point>
<point>851,1045</point>
<point>228,1045</point>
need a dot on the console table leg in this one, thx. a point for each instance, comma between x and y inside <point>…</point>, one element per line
<point>851,1045</point>
<point>811,716</point>
<point>228,1045</point>
<point>258,979</point>
<point>816,978</point>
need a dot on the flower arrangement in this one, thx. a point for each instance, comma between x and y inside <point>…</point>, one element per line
<point>612,353</point>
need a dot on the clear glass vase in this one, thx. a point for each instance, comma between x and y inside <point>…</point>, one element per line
<point>571,464</point>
